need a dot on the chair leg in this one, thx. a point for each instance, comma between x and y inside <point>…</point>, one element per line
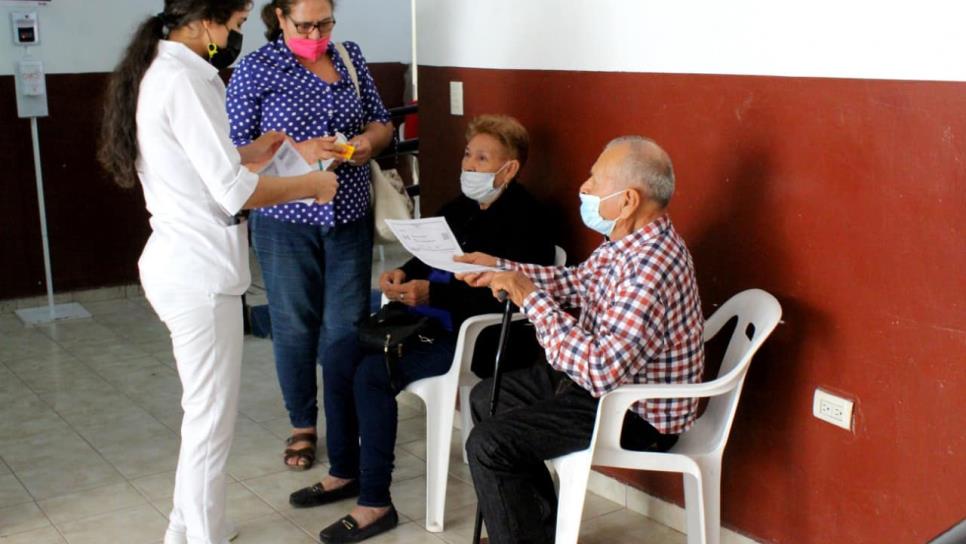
<point>466,417</point>
<point>694,509</point>
<point>573,471</point>
<point>439,431</point>
<point>711,498</point>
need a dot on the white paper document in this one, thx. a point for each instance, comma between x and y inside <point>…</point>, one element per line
<point>430,240</point>
<point>288,162</point>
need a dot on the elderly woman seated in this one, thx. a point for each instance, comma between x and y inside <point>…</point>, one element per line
<point>494,214</point>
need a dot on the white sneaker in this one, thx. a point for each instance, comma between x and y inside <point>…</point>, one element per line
<point>179,537</point>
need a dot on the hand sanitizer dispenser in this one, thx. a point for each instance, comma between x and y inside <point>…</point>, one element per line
<point>26,31</point>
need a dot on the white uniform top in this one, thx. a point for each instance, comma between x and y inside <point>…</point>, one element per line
<point>192,176</point>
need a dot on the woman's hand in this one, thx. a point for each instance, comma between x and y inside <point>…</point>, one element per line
<point>320,149</point>
<point>390,281</point>
<point>363,150</point>
<point>414,293</point>
<point>262,149</point>
<point>323,185</point>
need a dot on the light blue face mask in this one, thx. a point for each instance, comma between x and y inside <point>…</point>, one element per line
<point>590,213</point>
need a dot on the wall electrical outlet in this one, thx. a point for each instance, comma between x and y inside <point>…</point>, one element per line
<point>833,409</point>
<point>456,97</point>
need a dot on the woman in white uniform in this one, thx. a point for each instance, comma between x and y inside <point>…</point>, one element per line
<point>165,125</point>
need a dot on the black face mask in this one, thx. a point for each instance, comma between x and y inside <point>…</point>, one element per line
<point>223,57</point>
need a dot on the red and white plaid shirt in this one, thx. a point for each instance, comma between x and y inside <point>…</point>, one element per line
<point>640,319</point>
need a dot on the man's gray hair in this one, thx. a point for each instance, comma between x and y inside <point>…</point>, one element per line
<point>646,166</point>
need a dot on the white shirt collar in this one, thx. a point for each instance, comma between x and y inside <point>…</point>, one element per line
<point>188,57</point>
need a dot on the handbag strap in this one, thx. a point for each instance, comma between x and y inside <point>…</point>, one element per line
<point>347,60</point>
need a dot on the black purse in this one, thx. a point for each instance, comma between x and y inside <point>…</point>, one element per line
<point>391,331</point>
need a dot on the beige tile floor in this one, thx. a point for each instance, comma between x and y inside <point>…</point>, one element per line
<point>89,420</point>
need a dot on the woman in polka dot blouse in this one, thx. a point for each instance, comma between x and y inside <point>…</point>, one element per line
<point>316,259</point>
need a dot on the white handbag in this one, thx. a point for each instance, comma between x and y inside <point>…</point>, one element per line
<point>389,197</point>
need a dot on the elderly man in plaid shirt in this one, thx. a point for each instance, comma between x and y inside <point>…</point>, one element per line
<point>640,321</point>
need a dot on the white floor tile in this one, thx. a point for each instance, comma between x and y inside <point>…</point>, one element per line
<point>12,492</point>
<point>274,529</point>
<point>47,535</point>
<point>624,526</point>
<point>21,518</point>
<point>138,525</point>
<point>93,502</point>
<point>156,486</point>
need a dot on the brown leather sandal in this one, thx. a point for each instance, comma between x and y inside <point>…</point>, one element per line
<point>305,455</point>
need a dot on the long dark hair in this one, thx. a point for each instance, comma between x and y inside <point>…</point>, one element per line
<point>118,147</point>
<point>272,29</point>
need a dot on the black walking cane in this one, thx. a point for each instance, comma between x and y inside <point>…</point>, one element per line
<point>495,392</point>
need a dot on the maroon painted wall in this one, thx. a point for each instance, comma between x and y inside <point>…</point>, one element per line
<point>96,230</point>
<point>846,199</point>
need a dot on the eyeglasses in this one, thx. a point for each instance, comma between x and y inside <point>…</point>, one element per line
<point>306,28</point>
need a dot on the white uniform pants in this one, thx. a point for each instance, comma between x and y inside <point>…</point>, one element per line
<point>206,332</point>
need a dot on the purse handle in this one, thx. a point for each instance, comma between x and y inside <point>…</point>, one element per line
<point>354,76</point>
<point>347,60</point>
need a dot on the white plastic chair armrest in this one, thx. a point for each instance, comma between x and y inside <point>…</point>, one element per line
<point>613,405</point>
<point>631,393</point>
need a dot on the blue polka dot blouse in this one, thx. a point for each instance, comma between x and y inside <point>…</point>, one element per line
<point>270,90</point>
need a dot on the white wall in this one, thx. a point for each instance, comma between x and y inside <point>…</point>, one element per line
<point>884,39</point>
<point>79,36</point>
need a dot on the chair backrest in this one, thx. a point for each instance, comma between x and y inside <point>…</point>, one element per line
<point>758,314</point>
<point>559,256</point>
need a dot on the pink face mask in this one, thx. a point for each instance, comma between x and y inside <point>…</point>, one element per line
<point>307,48</point>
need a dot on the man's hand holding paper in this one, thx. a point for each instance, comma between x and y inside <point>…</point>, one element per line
<point>515,283</point>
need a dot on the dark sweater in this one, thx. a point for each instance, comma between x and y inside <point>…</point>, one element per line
<point>516,227</point>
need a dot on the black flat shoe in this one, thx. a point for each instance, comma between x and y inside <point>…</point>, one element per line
<point>347,529</point>
<point>316,495</point>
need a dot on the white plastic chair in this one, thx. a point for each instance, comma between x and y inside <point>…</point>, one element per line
<point>698,452</point>
<point>439,395</point>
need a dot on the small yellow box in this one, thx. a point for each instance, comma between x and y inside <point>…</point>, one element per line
<point>347,151</point>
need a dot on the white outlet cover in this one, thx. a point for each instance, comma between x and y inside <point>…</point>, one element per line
<point>832,409</point>
<point>456,97</point>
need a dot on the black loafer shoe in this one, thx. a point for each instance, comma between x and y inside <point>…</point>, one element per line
<point>347,529</point>
<point>317,495</point>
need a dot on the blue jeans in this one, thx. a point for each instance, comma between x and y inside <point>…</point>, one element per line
<point>318,291</point>
<point>378,411</point>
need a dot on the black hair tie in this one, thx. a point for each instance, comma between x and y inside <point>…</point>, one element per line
<point>166,24</point>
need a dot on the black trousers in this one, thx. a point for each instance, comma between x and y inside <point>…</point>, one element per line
<point>541,414</point>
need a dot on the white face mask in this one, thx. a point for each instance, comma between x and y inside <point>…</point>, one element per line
<point>479,185</point>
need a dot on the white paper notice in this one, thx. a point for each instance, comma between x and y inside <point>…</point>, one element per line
<point>287,162</point>
<point>430,240</point>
